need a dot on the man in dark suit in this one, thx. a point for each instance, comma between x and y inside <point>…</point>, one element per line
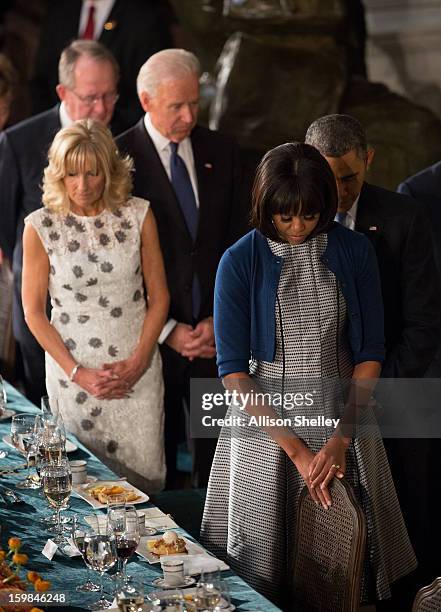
<point>398,228</point>
<point>191,176</point>
<point>425,186</point>
<point>87,88</point>
<point>132,30</point>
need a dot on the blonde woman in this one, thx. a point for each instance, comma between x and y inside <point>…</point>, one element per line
<point>95,248</point>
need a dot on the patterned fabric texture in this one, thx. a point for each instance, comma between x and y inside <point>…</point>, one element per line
<point>98,308</point>
<point>250,513</point>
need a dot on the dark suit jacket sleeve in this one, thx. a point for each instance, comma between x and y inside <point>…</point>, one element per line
<point>240,206</point>
<point>371,304</point>
<point>10,196</point>
<point>421,309</point>
<point>405,189</point>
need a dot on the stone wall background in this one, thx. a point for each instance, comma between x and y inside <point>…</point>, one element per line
<point>403,48</point>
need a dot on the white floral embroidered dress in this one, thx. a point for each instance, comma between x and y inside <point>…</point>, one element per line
<point>98,307</point>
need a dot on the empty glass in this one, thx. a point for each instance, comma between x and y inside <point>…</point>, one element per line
<point>80,537</point>
<point>3,398</point>
<point>101,556</point>
<point>24,437</point>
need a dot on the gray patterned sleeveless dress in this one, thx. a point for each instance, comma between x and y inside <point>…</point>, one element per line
<point>98,308</point>
<point>250,512</point>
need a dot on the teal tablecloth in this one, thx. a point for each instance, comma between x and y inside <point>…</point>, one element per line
<point>65,573</point>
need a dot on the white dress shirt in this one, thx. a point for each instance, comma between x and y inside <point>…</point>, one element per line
<point>102,12</point>
<point>65,120</point>
<point>351,215</point>
<point>185,151</point>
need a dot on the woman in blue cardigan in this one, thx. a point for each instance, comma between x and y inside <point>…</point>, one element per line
<point>297,309</point>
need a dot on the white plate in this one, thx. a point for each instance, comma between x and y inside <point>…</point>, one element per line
<point>83,492</point>
<point>169,593</point>
<point>143,551</point>
<point>70,446</point>
<point>7,414</point>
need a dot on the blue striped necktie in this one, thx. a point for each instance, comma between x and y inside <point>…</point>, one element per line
<point>181,182</point>
<point>341,217</point>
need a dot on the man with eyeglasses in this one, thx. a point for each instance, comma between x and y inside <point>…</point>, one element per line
<point>88,79</point>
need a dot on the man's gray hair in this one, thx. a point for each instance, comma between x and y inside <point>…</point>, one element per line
<point>336,135</point>
<point>166,65</point>
<point>77,48</point>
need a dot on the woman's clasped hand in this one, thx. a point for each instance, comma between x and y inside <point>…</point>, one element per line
<point>112,381</point>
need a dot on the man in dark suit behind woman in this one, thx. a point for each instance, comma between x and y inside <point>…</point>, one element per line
<point>192,177</point>
<point>132,30</point>
<point>398,228</point>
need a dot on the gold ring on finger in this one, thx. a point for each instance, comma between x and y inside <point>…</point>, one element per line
<point>336,466</point>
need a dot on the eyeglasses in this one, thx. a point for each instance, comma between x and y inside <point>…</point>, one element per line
<point>108,99</point>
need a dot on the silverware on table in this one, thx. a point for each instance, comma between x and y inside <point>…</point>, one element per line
<point>12,496</point>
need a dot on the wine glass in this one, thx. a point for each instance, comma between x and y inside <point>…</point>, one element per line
<point>80,537</point>
<point>50,411</point>
<point>51,449</point>
<point>124,524</point>
<point>24,437</point>
<point>3,398</point>
<point>209,590</point>
<point>101,556</point>
<point>57,486</point>
<point>130,596</point>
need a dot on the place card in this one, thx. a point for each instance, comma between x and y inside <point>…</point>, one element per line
<point>49,550</point>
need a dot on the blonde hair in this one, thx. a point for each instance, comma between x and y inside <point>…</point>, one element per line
<point>86,142</point>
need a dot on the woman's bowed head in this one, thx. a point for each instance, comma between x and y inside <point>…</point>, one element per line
<point>86,173</point>
<point>294,194</point>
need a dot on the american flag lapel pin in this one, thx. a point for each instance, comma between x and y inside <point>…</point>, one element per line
<point>208,166</point>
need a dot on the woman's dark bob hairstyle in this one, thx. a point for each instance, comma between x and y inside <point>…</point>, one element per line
<point>293,179</point>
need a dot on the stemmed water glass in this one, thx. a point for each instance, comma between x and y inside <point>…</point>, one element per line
<point>24,437</point>
<point>130,596</point>
<point>3,398</point>
<point>209,590</point>
<point>57,486</point>
<point>101,556</point>
<point>123,523</point>
<point>80,537</point>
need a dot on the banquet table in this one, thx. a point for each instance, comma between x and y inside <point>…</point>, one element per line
<point>65,573</point>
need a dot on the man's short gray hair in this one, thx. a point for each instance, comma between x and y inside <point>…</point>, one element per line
<point>77,48</point>
<point>336,135</point>
<point>166,65</point>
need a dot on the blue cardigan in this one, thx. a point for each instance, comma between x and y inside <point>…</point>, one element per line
<point>245,297</point>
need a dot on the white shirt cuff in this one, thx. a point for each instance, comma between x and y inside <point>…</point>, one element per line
<point>167,330</point>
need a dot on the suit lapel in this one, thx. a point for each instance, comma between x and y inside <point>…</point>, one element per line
<point>112,24</point>
<point>369,215</point>
<point>203,161</point>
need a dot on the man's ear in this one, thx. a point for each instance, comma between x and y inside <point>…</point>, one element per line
<point>61,91</point>
<point>145,100</point>
<point>369,158</point>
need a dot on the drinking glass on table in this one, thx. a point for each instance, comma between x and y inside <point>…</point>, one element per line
<point>80,536</point>
<point>101,556</point>
<point>3,398</point>
<point>50,411</point>
<point>209,590</point>
<point>24,437</point>
<point>57,486</point>
<point>123,523</point>
<point>130,596</point>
